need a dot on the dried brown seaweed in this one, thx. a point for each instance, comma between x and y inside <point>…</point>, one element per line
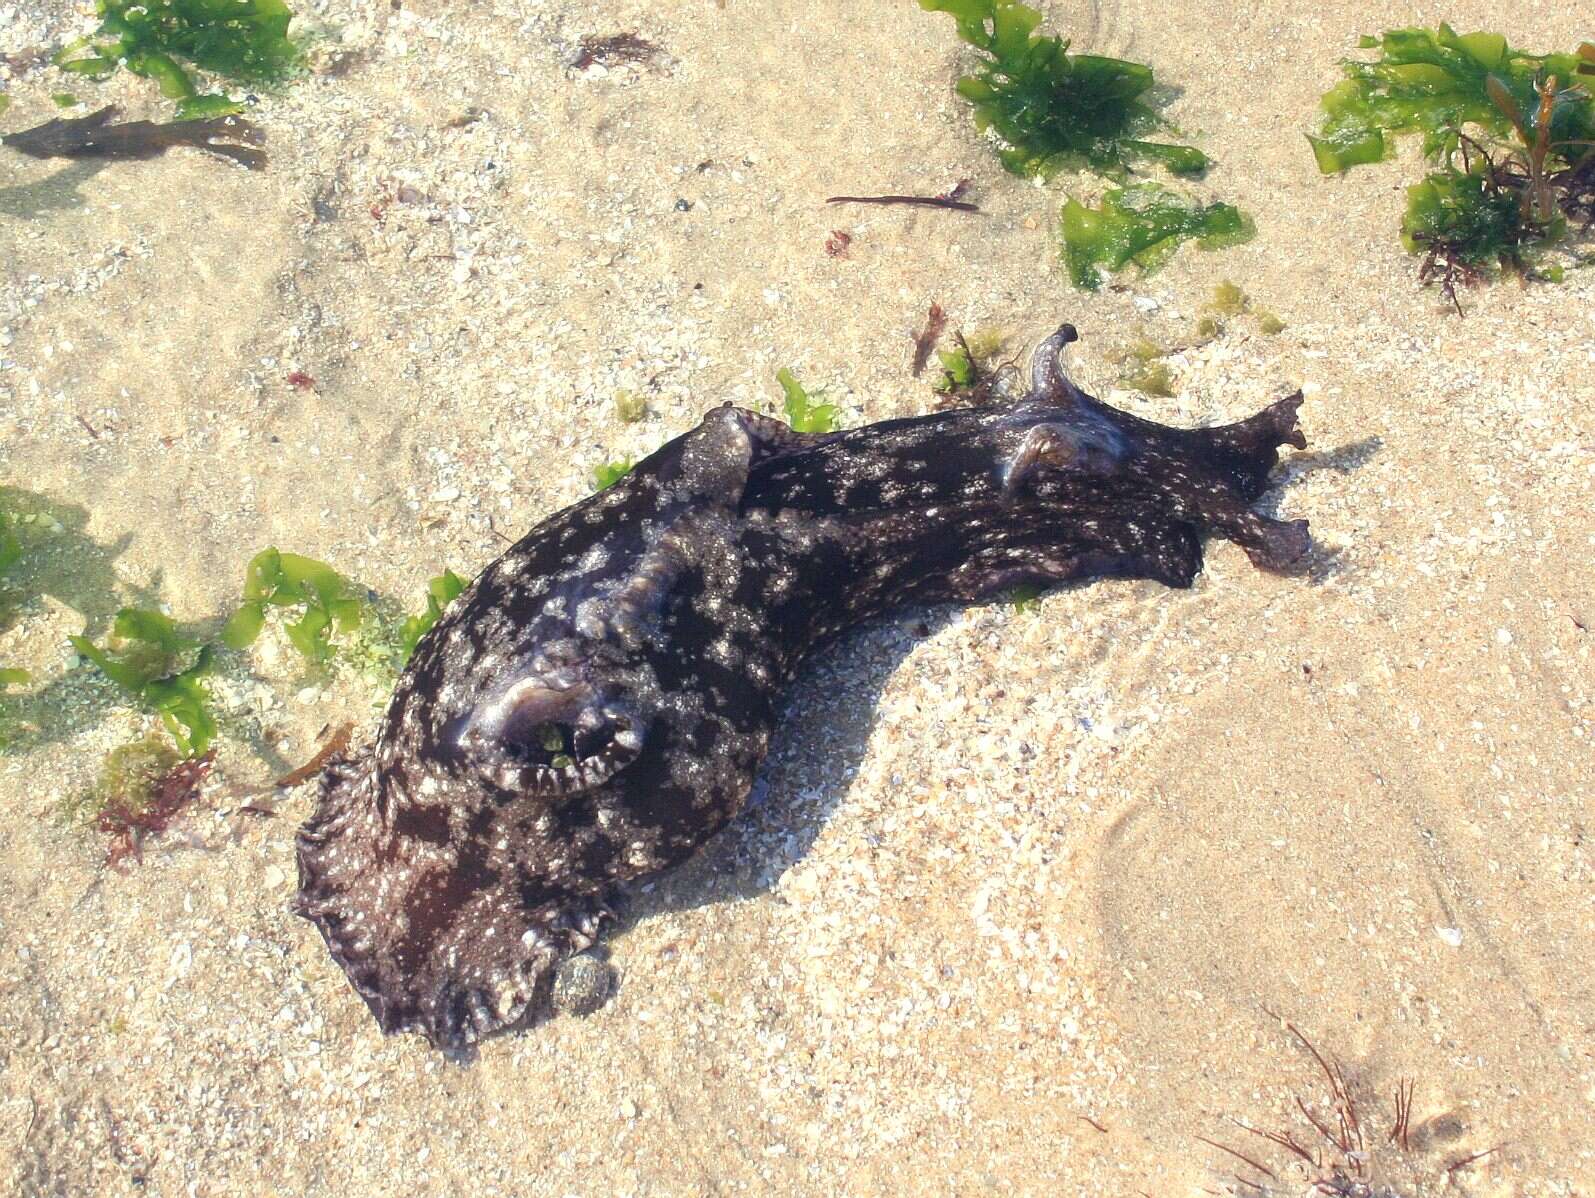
<point>599,50</point>
<point>925,341</point>
<point>93,137</point>
<point>941,201</point>
<point>128,821</point>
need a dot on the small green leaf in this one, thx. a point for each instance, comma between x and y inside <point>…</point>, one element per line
<point>278,579</point>
<point>958,369</point>
<point>441,591</point>
<point>201,107</point>
<point>244,626</point>
<point>1026,597</point>
<point>14,677</point>
<point>802,413</point>
<point>64,99</point>
<point>135,624</point>
<point>610,473</point>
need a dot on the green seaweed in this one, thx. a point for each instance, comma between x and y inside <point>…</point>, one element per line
<point>965,365</point>
<point>958,368</point>
<point>10,546</point>
<point>146,668</point>
<point>630,407</point>
<point>1053,109</point>
<point>440,592</point>
<point>245,41</point>
<point>274,579</point>
<point>1144,224</point>
<point>802,412</point>
<point>1026,597</point>
<point>1151,378</point>
<point>610,473</point>
<point>1463,209</point>
<point>128,777</point>
<point>1228,299</point>
<point>63,99</point>
<point>1434,82</point>
<point>12,676</point>
<point>1143,369</point>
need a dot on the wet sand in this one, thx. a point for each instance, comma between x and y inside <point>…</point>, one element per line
<point>1024,904</point>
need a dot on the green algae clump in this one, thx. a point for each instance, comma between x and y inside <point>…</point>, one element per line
<point>245,41</point>
<point>274,579</point>
<point>1463,210</point>
<point>1142,224</point>
<point>1053,109</point>
<point>146,668</point>
<point>1434,82</point>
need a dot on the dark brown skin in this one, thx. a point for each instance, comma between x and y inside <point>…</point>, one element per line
<point>91,137</point>
<point>596,705</point>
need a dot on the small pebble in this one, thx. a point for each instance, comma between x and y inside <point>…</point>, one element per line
<point>581,984</point>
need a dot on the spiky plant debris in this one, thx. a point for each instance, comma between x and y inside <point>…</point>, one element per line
<point>613,49</point>
<point>1142,224</point>
<point>1051,109</point>
<point>146,667</point>
<point>1341,1156</point>
<point>245,41</point>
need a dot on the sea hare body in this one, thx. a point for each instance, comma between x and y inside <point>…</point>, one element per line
<point>595,706</point>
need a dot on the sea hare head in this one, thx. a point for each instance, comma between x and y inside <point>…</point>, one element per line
<point>433,940</point>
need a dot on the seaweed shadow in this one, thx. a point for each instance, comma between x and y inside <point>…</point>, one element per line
<point>53,193</point>
<point>60,560</point>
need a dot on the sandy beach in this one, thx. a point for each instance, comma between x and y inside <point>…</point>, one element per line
<point>1027,901</point>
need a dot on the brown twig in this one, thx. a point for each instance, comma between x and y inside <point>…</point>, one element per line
<point>1465,1161</point>
<point>1282,1138</point>
<point>1092,1122</point>
<point>1240,1156</point>
<point>913,201</point>
<point>336,743</point>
